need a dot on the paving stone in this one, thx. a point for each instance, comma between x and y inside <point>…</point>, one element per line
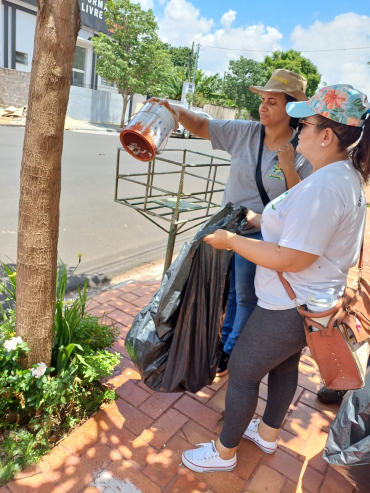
<point>217,403</point>
<point>165,464</point>
<point>310,399</point>
<point>88,434</point>
<point>336,483</point>
<point>203,395</point>
<point>313,449</point>
<point>308,378</point>
<point>40,483</point>
<point>132,393</point>
<point>144,300</point>
<point>28,472</point>
<point>128,370</point>
<point>81,473</point>
<point>121,413</point>
<point>91,304</point>
<point>114,381</point>
<point>290,443</point>
<point>194,433</point>
<point>129,297</point>
<point>225,482</point>
<point>195,410</point>
<point>290,487</point>
<point>130,475</point>
<point>324,422</point>
<point>107,295</point>
<point>121,317</point>
<point>124,306</point>
<point>266,480</point>
<point>132,448</point>
<point>291,468</point>
<point>101,310</point>
<point>160,432</point>
<point>186,483</point>
<point>144,387</point>
<point>55,462</point>
<point>145,291</point>
<point>263,391</point>
<point>302,421</point>
<point>158,403</point>
<point>249,456</point>
<point>123,329</point>
<point>218,382</point>
<point>119,347</point>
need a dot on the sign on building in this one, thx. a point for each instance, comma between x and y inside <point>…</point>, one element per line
<point>92,14</point>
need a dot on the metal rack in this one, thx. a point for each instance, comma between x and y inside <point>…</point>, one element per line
<point>167,205</point>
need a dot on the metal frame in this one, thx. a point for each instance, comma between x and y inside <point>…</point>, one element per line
<point>149,205</point>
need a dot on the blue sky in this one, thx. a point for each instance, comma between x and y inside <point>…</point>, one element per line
<point>268,25</point>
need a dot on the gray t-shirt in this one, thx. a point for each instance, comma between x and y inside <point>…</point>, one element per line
<point>241,139</point>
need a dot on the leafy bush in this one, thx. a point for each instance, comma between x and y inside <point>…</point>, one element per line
<point>38,405</point>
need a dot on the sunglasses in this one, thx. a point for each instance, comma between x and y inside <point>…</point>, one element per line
<point>302,122</point>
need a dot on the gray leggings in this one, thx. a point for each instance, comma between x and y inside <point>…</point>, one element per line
<point>271,342</point>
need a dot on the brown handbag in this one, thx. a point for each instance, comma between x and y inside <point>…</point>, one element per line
<point>341,349</point>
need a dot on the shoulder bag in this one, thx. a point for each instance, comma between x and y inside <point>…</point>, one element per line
<point>341,350</point>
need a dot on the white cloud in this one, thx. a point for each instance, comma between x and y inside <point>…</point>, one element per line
<point>228,18</point>
<point>162,2</point>
<point>146,4</point>
<point>344,31</point>
<point>182,24</point>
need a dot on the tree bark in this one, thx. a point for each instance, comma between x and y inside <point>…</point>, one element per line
<point>57,26</point>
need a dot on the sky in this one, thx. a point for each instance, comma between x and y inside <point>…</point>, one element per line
<point>267,25</point>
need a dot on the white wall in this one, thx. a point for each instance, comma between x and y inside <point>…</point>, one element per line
<point>95,106</point>
<point>25,34</point>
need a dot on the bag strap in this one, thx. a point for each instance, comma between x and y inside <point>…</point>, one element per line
<point>264,197</point>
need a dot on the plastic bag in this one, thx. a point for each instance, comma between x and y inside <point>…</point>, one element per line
<point>174,340</point>
<point>348,445</point>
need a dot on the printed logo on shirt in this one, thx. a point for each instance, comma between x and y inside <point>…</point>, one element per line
<point>360,198</point>
<point>278,200</point>
<point>277,172</point>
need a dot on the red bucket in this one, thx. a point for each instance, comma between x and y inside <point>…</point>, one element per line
<point>148,131</point>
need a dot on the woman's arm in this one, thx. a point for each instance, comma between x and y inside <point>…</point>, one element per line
<point>268,255</point>
<point>254,219</point>
<point>196,124</point>
<point>286,161</point>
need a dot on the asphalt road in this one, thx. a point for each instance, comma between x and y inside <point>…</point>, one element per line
<point>113,238</point>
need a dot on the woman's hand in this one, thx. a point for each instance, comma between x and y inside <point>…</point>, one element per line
<point>254,219</point>
<point>175,110</point>
<point>218,239</point>
<point>285,155</point>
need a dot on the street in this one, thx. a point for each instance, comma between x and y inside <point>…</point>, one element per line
<point>112,238</point>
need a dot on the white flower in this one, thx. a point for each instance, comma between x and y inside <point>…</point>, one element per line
<point>11,344</point>
<point>39,371</point>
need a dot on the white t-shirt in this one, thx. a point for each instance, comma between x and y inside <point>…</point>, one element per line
<point>323,215</point>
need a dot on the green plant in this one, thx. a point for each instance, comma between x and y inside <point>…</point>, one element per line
<point>39,405</point>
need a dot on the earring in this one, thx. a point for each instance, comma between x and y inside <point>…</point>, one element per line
<point>323,145</point>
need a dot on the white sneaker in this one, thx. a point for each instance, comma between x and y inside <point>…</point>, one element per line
<point>251,433</point>
<point>207,459</point>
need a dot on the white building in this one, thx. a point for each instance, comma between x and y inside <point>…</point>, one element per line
<point>91,98</point>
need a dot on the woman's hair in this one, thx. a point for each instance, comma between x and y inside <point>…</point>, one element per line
<point>348,135</point>
<point>293,122</point>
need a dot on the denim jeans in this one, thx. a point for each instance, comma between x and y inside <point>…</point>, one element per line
<point>242,298</point>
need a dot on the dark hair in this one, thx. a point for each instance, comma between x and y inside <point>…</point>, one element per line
<point>348,135</point>
<point>293,122</point>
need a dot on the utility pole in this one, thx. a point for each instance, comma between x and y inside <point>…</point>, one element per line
<point>190,62</point>
<point>196,62</point>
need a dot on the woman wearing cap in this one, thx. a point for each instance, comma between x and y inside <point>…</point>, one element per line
<point>313,234</point>
<point>281,169</point>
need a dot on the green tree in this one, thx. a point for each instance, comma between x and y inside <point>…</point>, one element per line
<point>132,56</point>
<point>180,55</point>
<point>293,60</point>
<point>242,74</point>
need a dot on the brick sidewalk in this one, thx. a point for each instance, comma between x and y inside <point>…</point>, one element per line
<point>135,444</point>
<point>139,438</point>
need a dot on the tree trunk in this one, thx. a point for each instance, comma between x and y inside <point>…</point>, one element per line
<point>126,98</point>
<point>57,26</point>
<point>239,112</point>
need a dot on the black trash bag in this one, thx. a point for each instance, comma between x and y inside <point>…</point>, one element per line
<point>348,447</point>
<point>174,341</point>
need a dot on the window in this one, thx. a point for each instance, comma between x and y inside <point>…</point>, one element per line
<point>106,83</point>
<point>78,71</point>
<point>21,58</point>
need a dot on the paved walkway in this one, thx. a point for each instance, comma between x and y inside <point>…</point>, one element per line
<point>134,445</point>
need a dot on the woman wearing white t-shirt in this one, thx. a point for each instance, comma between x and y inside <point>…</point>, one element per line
<point>313,233</point>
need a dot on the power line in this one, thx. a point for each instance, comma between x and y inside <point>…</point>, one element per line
<point>302,51</point>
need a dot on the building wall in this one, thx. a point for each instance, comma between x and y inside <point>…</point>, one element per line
<point>94,105</point>
<point>219,112</point>
<point>14,87</point>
